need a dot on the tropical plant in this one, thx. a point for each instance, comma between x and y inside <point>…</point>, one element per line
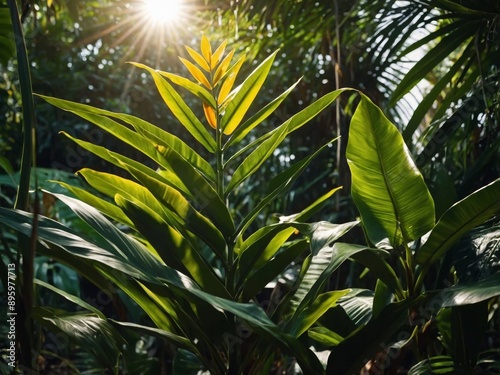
<point>200,269</point>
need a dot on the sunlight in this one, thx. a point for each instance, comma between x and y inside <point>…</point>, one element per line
<point>163,11</point>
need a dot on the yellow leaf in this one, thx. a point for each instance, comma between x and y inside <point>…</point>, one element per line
<point>210,115</point>
<point>229,81</point>
<point>218,54</point>
<point>49,3</point>
<point>221,70</point>
<point>196,72</point>
<point>198,58</point>
<point>206,49</point>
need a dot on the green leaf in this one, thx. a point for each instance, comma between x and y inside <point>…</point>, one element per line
<point>278,185</point>
<point>308,316</point>
<point>7,45</point>
<point>170,245</point>
<point>424,106</point>
<point>324,336</point>
<point>387,187</point>
<point>179,341</point>
<point>260,277</point>
<point>146,129</point>
<point>468,324</point>
<point>253,161</point>
<point>184,213</point>
<point>435,365</point>
<point>465,294</point>
<point>104,206</point>
<point>189,85</point>
<point>203,193</point>
<point>181,110</point>
<point>245,95</point>
<point>121,161</point>
<point>241,131</point>
<point>323,264</point>
<point>459,219</point>
<point>70,297</point>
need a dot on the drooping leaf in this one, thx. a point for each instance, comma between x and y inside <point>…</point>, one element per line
<point>459,219</point>
<point>387,187</point>
<point>434,365</point>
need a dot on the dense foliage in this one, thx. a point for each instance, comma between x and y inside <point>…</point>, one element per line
<point>226,245</point>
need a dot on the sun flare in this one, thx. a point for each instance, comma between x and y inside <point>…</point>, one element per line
<point>163,11</point>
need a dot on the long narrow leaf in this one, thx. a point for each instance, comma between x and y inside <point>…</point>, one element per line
<point>458,220</point>
<point>240,103</point>
<point>181,110</point>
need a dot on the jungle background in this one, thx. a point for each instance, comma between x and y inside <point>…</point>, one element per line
<point>431,65</point>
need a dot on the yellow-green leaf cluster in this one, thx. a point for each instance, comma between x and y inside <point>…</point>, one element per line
<point>213,71</point>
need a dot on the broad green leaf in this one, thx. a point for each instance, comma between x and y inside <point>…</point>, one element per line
<point>239,105</point>
<point>307,317</point>
<point>192,87</point>
<point>110,185</point>
<point>181,110</point>
<point>261,246</point>
<point>358,305</point>
<point>387,188</point>
<point>296,121</point>
<point>375,262</point>
<point>468,325</point>
<point>260,277</point>
<point>242,130</point>
<point>186,363</point>
<point>459,219</point>
<point>118,130</point>
<point>324,233</point>
<point>464,294</point>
